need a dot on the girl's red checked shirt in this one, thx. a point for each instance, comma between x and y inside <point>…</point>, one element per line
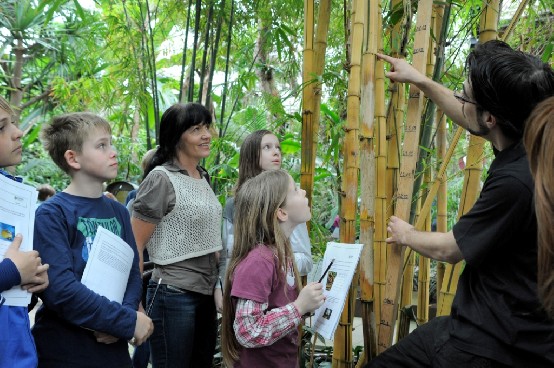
<point>266,321</point>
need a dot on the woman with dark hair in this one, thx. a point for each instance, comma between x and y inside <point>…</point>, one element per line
<point>176,216</point>
<point>538,139</point>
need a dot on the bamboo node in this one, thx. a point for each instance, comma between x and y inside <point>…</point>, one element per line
<point>366,301</point>
<point>346,129</point>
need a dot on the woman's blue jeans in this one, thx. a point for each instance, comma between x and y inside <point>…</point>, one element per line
<point>185,328</point>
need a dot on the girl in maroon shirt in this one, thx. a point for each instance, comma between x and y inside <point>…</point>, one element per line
<point>263,303</point>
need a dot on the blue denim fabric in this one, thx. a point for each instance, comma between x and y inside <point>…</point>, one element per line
<point>184,328</point>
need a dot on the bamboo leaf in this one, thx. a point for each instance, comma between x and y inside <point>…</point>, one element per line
<point>79,9</point>
<point>547,54</point>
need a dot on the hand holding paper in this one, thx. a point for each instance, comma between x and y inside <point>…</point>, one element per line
<point>310,298</point>
<point>17,216</point>
<point>27,263</point>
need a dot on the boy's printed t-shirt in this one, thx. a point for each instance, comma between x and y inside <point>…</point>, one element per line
<point>17,349</point>
<point>65,227</point>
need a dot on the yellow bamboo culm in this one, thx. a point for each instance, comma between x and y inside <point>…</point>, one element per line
<point>508,31</point>
<point>442,202</point>
<point>426,208</point>
<point>424,262</point>
<point>388,161</point>
<point>406,288</point>
<point>389,308</point>
<point>406,298</point>
<point>342,346</point>
<point>324,15</point>
<point>380,246</point>
<point>472,176</point>
<point>423,279</point>
<point>308,153</point>
<point>367,180</point>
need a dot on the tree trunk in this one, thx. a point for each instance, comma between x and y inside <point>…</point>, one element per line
<point>17,91</point>
<point>265,71</point>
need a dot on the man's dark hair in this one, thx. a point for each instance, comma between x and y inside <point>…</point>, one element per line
<point>508,84</point>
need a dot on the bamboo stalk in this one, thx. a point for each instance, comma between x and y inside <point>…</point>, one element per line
<point>368,177</point>
<point>517,15</point>
<point>426,208</point>
<point>406,286</point>
<point>307,152</point>
<point>423,280</point>
<point>388,159</point>
<point>442,202</point>
<point>408,275</point>
<point>311,110</point>
<point>424,262</point>
<point>342,347</point>
<point>382,176</point>
<point>405,187</point>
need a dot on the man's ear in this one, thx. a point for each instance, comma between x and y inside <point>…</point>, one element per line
<point>72,159</point>
<point>489,119</point>
<point>282,215</point>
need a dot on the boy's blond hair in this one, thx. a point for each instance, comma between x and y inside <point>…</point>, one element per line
<point>68,132</point>
<point>5,105</point>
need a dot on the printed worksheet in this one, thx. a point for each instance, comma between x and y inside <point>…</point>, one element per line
<point>336,285</point>
<point>17,215</point>
<point>109,265</point>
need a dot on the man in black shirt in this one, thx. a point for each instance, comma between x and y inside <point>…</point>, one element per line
<point>496,318</point>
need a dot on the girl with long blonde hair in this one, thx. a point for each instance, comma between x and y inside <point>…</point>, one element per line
<point>263,302</point>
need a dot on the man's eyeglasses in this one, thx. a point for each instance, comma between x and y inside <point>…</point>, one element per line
<point>462,98</point>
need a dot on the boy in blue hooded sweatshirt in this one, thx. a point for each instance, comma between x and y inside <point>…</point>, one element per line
<point>77,327</point>
<point>17,348</point>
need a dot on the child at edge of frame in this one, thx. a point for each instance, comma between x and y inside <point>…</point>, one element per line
<point>17,348</point>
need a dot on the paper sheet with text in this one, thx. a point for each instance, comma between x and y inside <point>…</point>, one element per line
<point>17,215</point>
<point>336,285</point>
<point>109,265</point>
